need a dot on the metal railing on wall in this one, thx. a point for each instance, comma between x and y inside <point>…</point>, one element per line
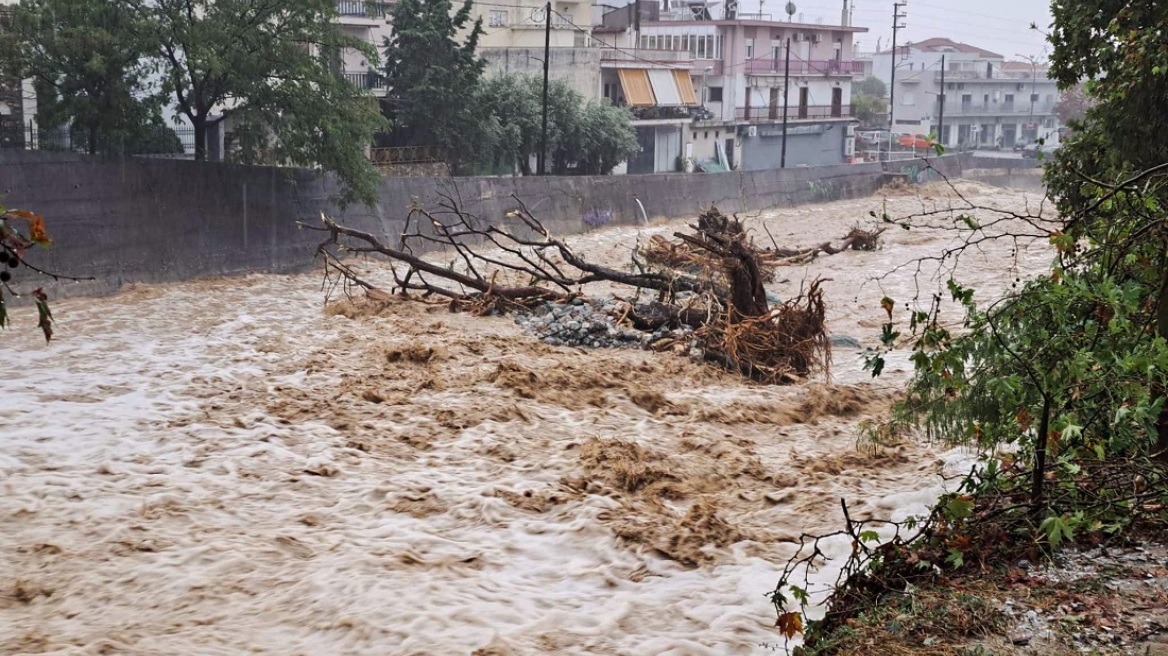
<point>407,155</point>
<point>161,141</point>
<point>771,113</point>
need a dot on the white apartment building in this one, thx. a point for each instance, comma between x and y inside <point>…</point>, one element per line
<point>988,102</point>
<point>369,22</point>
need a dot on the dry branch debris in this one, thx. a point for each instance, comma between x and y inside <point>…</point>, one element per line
<point>711,281</point>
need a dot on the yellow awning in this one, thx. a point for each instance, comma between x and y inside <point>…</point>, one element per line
<point>686,87</point>
<point>635,83</point>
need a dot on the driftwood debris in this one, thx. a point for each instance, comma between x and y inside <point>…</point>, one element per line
<point>711,280</point>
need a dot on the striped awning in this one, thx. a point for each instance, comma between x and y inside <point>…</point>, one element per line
<point>638,90</point>
<point>685,86</point>
<point>665,88</point>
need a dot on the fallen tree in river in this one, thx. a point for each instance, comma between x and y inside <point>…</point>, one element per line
<point>713,283</point>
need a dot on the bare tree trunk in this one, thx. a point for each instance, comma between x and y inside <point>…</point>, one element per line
<point>1038,484</point>
<point>199,123</point>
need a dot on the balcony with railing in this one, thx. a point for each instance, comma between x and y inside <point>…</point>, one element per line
<point>772,113</point>
<point>997,75</point>
<point>1017,108</point>
<point>362,11</point>
<point>368,80</point>
<point>772,66</point>
<point>611,58</point>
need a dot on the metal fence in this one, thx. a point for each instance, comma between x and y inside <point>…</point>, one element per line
<point>161,141</point>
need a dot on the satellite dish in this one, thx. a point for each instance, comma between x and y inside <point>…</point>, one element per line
<point>790,10</point>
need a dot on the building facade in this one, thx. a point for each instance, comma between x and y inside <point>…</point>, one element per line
<point>741,81</point>
<point>988,102</point>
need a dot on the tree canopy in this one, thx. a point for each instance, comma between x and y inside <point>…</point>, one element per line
<point>584,137</point>
<point>104,69</point>
<point>88,64</point>
<point>868,100</point>
<point>271,65</point>
<point>1071,367</point>
<point>433,72</point>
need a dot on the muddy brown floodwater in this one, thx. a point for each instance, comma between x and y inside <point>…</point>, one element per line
<point>222,467</point>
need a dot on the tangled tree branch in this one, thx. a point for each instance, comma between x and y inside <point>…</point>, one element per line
<point>520,264</point>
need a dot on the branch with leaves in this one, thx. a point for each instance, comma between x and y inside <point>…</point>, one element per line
<point>20,232</point>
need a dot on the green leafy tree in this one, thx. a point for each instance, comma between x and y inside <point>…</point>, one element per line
<point>511,106</point>
<point>584,138</point>
<point>869,102</point>
<point>869,109</point>
<point>87,59</point>
<point>272,66</point>
<point>1071,368</point>
<point>871,86</point>
<point>432,74</point>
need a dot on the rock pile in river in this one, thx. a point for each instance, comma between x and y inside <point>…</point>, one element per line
<point>593,324</point>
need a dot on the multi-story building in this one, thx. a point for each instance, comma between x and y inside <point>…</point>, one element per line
<point>739,85</point>
<point>988,102</point>
<point>369,22</point>
<point>512,42</point>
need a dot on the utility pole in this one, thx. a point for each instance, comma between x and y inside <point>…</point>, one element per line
<point>547,57</point>
<point>786,103</point>
<point>941,101</point>
<point>896,16</point>
<point>636,25</point>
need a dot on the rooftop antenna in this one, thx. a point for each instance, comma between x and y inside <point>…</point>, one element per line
<point>790,11</point>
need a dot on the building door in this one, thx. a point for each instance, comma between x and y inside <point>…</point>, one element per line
<point>837,102</point>
<point>962,135</point>
<point>804,98</point>
<point>774,106</point>
<point>668,150</point>
<point>730,153</point>
<point>804,53</point>
<point>643,161</point>
<point>1009,135</point>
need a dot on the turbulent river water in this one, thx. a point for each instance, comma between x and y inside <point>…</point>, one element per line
<point>229,467</point>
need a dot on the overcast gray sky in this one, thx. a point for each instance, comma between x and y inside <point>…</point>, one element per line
<point>1002,26</point>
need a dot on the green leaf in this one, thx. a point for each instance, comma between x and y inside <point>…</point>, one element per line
<point>955,558</point>
<point>1057,530</point>
<point>958,508</point>
<point>45,317</point>
<point>800,595</point>
<point>869,536</point>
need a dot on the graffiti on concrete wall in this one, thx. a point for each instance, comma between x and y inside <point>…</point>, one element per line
<point>597,217</point>
<point>823,189</point>
<point>915,174</point>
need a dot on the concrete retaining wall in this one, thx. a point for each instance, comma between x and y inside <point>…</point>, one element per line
<point>137,220</point>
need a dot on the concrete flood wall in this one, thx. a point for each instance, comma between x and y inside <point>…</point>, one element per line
<point>148,220</point>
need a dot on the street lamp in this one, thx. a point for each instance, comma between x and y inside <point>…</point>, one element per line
<point>1033,81</point>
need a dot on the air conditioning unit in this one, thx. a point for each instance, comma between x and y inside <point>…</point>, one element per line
<point>752,131</point>
<point>849,147</point>
<point>800,37</point>
<point>850,131</point>
<point>816,38</point>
